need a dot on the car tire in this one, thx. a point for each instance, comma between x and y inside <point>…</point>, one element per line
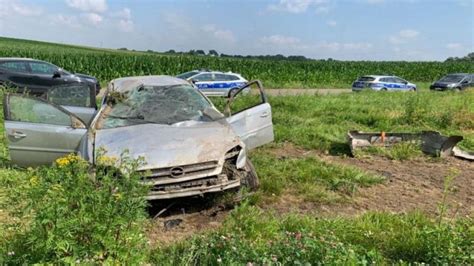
<point>250,180</point>
<point>457,89</point>
<point>383,89</point>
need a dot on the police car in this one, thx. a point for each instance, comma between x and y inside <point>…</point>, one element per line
<point>382,83</point>
<point>214,83</point>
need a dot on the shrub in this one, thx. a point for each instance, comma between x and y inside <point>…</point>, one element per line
<point>78,214</point>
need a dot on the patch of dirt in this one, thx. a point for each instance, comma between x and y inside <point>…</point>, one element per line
<point>183,219</point>
<point>414,185</point>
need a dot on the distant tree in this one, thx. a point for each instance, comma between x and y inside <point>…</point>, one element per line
<point>170,51</point>
<point>213,53</point>
<point>150,51</point>
<point>200,52</point>
<point>123,49</point>
<point>469,58</point>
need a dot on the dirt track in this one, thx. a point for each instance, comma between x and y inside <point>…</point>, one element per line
<point>278,92</point>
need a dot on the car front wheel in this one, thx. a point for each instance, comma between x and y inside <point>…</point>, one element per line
<point>251,179</point>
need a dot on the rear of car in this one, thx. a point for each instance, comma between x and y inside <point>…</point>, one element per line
<point>364,82</point>
<point>213,83</point>
<point>382,83</point>
<point>38,77</point>
<point>453,82</point>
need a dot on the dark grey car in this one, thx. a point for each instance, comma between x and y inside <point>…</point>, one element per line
<point>39,76</point>
<point>458,81</point>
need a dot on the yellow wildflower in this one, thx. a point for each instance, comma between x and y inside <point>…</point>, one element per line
<point>71,158</point>
<point>34,180</point>
<point>107,160</point>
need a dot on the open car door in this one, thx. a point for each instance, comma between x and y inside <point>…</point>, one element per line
<point>38,132</point>
<point>250,115</point>
<point>77,98</point>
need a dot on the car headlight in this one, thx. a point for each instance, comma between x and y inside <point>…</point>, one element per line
<point>450,85</point>
<point>236,156</point>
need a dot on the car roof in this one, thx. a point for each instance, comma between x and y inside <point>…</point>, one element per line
<point>17,59</point>
<point>215,72</point>
<point>463,74</point>
<point>126,84</point>
<point>379,76</point>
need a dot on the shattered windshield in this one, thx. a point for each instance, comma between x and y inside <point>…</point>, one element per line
<point>452,78</point>
<point>156,104</point>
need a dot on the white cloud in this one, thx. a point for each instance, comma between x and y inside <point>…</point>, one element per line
<point>403,36</point>
<point>293,45</point>
<point>63,20</point>
<point>331,23</point>
<point>125,22</point>
<point>219,34</point>
<point>125,13</point>
<point>454,46</point>
<point>94,6</point>
<point>300,6</point>
<point>322,10</point>
<point>15,8</point>
<point>408,34</point>
<point>375,1</point>
<point>92,18</point>
<point>280,40</point>
<point>126,25</point>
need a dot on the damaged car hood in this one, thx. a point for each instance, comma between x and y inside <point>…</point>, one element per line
<point>169,145</point>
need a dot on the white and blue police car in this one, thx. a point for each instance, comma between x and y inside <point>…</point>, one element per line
<point>382,83</point>
<point>214,83</point>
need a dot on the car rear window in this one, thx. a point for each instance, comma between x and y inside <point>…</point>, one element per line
<point>366,79</point>
<point>14,66</point>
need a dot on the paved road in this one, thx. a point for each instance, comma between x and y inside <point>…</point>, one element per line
<point>277,92</point>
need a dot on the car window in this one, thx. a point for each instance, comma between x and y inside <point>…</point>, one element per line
<point>248,97</point>
<point>385,80</point>
<point>187,74</point>
<point>24,109</point>
<point>399,80</point>
<point>220,77</point>
<point>14,66</point>
<point>366,79</point>
<point>70,95</point>
<point>232,77</point>
<point>204,77</point>
<point>157,105</point>
<point>42,68</point>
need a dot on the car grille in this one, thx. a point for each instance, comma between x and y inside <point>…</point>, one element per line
<point>172,174</point>
<point>207,181</point>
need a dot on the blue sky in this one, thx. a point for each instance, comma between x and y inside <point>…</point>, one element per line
<point>339,29</point>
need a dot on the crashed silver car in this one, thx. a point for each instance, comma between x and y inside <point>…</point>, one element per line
<point>189,147</point>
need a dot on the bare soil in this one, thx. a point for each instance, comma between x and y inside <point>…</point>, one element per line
<point>415,185</point>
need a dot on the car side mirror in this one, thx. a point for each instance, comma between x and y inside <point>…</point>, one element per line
<point>465,82</point>
<point>193,81</point>
<point>56,74</point>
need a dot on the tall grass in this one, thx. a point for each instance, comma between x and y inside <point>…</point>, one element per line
<point>252,236</point>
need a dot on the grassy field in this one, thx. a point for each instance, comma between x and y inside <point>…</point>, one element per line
<point>107,64</point>
<point>62,214</point>
<point>252,234</point>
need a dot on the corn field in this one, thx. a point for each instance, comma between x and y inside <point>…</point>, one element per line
<point>107,64</point>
